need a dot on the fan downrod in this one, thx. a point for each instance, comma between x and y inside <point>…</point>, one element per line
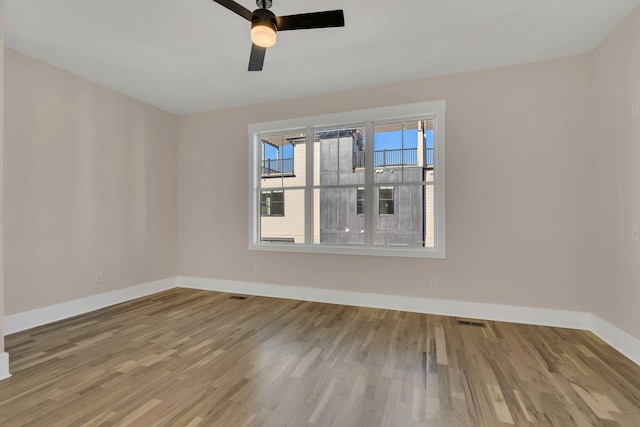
<point>264,4</point>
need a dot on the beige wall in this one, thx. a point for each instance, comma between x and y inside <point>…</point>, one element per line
<point>616,166</point>
<point>91,187</point>
<point>519,198</point>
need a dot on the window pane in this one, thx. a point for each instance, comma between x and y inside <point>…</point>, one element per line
<point>404,216</point>
<point>265,203</point>
<point>385,201</point>
<point>386,193</point>
<point>283,162</point>
<point>360,201</point>
<point>339,156</point>
<point>402,151</point>
<point>336,219</point>
<point>272,202</point>
<point>278,196</point>
<point>277,203</point>
<point>285,221</point>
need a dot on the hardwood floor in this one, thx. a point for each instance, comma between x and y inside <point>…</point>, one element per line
<point>186,358</point>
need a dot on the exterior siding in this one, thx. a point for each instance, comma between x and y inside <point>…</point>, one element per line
<point>291,225</point>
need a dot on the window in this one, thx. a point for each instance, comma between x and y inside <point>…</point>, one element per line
<point>372,185</point>
<point>272,203</point>
<point>385,202</point>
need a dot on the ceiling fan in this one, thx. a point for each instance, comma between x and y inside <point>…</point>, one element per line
<point>264,25</point>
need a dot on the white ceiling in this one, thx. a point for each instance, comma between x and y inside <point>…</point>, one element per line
<point>186,56</point>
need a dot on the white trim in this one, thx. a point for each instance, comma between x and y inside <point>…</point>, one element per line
<point>616,338</point>
<point>351,250</point>
<point>432,109</point>
<point>4,366</point>
<point>350,117</point>
<point>41,316</point>
<point>501,313</point>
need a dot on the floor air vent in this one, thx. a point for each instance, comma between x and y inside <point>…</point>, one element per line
<point>237,297</point>
<point>471,323</point>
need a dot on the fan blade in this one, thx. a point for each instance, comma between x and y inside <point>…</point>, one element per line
<point>257,57</point>
<point>303,21</point>
<point>236,8</point>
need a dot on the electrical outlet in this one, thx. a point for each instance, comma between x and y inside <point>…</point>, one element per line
<point>635,313</point>
<point>635,232</point>
<point>433,282</point>
<point>635,109</point>
<point>256,269</point>
<point>207,225</point>
<point>207,163</point>
<point>99,277</point>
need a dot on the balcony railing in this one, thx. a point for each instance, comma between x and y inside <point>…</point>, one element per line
<point>395,157</point>
<point>277,167</point>
<point>406,156</point>
<point>428,157</point>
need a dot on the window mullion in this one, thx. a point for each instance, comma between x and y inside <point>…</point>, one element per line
<point>368,184</point>
<point>309,192</point>
<point>256,188</point>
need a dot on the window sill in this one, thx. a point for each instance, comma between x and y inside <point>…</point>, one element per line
<point>402,252</point>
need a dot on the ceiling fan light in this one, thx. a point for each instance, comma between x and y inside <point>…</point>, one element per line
<point>263,34</point>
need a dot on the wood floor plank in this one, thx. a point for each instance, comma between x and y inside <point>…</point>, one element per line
<point>499,404</point>
<point>197,358</point>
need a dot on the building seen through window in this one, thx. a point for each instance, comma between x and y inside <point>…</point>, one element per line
<point>402,162</point>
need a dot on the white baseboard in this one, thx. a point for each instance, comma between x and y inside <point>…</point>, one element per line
<point>4,366</point>
<point>615,337</point>
<point>41,316</point>
<point>502,313</point>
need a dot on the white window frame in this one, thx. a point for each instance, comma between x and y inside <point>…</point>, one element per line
<point>423,110</point>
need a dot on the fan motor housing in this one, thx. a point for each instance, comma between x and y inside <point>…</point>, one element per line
<point>263,17</point>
